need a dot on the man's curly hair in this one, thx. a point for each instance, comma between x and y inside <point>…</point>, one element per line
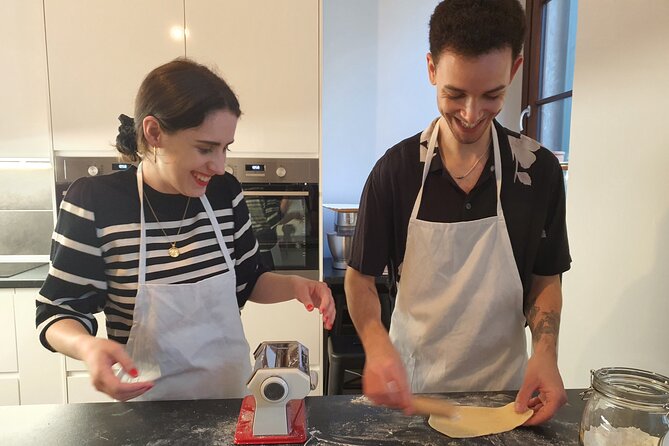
<point>475,27</point>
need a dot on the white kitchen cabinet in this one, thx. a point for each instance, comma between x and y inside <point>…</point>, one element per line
<point>268,51</point>
<point>24,115</point>
<point>286,321</point>
<point>9,382</point>
<point>29,373</point>
<point>41,372</point>
<point>8,362</point>
<point>80,390</point>
<point>99,53</point>
<point>9,391</point>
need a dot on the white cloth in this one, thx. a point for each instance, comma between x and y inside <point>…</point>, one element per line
<point>458,322</point>
<point>188,337</point>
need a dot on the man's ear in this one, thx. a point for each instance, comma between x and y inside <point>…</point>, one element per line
<point>152,131</point>
<point>514,68</point>
<point>431,69</point>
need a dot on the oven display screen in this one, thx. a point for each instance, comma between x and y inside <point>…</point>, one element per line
<point>255,167</point>
<point>120,166</point>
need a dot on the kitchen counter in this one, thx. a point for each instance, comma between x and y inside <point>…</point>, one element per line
<point>33,278</point>
<point>333,276</point>
<point>333,420</point>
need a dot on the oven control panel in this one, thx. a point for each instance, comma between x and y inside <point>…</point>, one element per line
<point>273,170</point>
<point>68,169</point>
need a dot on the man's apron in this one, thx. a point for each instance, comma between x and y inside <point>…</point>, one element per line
<point>458,322</point>
<point>188,337</point>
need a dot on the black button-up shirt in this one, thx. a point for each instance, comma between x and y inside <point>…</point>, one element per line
<point>533,202</point>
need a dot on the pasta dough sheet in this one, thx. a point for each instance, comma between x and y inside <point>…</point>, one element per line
<point>476,421</point>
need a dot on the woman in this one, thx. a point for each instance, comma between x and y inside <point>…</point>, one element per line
<point>166,250</point>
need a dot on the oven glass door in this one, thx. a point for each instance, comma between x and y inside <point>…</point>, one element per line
<point>285,222</point>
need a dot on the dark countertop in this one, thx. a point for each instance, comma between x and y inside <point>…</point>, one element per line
<point>33,278</point>
<point>334,276</point>
<point>334,420</point>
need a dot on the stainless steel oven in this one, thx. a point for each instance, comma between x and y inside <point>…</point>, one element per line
<point>70,168</point>
<point>282,197</point>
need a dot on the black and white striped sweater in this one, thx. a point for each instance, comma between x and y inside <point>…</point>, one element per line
<point>95,248</point>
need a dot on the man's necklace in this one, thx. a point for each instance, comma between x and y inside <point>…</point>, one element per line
<point>471,169</point>
<point>173,251</point>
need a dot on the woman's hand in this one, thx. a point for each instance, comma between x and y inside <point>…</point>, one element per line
<point>100,355</point>
<point>313,294</point>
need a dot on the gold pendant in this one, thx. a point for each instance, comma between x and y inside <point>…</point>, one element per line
<point>173,251</point>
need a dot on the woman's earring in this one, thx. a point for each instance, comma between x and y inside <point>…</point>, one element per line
<point>154,155</point>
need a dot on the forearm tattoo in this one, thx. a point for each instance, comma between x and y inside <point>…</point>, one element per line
<point>543,323</point>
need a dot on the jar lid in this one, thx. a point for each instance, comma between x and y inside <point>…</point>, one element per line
<point>632,385</point>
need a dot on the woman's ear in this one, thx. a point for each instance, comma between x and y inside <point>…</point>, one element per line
<point>152,131</point>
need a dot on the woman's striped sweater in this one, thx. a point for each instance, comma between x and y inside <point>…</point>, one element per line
<point>95,248</point>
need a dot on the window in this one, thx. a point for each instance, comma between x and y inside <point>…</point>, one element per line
<point>548,73</point>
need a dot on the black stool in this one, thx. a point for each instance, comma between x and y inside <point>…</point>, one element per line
<point>345,355</point>
<point>345,352</point>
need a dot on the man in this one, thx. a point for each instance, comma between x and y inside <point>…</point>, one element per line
<point>475,238</point>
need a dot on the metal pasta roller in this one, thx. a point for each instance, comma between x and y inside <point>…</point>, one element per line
<point>274,412</point>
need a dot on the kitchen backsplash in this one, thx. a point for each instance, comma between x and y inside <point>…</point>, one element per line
<point>26,211</point>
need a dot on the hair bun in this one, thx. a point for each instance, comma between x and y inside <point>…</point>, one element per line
<point>126,140</point>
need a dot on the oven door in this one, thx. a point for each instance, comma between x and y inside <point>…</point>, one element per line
<point>284,218</point>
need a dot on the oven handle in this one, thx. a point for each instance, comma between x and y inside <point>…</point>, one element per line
<point>275,193</point>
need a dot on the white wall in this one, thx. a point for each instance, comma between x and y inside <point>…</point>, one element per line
<point>616,297</point>
<point>376,91</point>
<point>405,100</point>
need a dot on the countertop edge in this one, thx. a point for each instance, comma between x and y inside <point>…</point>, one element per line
<point>33,278</point>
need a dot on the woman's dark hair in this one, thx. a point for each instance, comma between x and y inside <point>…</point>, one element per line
<point>472,28</point>
<point>180,95</point>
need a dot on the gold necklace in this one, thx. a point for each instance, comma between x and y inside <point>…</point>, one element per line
<point>471,169</point>
<point>173,251</point>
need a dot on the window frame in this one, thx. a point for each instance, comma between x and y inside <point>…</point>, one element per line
<point>532,54</point>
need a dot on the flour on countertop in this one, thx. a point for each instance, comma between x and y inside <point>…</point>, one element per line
<point>626,436</point>
<point>392,427</point>
<point>362,399</point>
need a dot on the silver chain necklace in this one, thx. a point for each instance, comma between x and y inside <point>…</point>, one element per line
<point>173,251</point>
<point>471,169</point>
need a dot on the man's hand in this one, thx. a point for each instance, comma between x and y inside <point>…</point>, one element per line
<point>542,377</point>
<point>384,379</point>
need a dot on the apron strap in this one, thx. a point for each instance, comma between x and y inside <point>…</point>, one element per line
<point>217,231</point>
<point>428,162</point>
<point>141,273</point>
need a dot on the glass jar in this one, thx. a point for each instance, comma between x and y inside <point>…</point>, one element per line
<point>625,407</point>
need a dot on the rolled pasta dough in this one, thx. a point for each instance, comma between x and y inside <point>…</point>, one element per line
<point>476,421</point>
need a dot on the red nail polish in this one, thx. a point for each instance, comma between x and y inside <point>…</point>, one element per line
<point>134,373</point>
<point>310,307</point>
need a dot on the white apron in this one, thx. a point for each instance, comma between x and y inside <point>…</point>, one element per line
<point>458,322</point>
<point>188,337</point>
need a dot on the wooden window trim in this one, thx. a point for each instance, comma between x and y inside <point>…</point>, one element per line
<point>532,63</point>
<point>554,98</point>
